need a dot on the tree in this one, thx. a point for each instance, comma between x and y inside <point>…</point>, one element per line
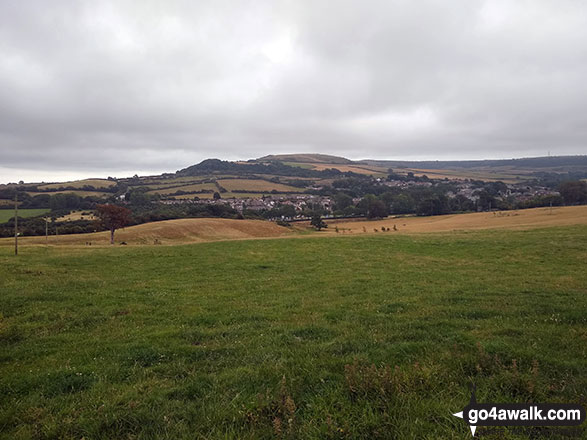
<point>372,207</point>
<point>403,204</point>
<point>317,222</point>
<point>342,201</point>
<point>433,205</point>
<point>217,196</point>
<point>138,197</point>
<point>486,200</point>
<point>113,217</point>
<point>377,209</point>
<point>574,192</point>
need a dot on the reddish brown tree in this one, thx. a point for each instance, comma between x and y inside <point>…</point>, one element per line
<point>113,217</point>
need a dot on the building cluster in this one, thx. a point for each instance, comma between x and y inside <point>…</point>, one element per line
<point>299,202</point>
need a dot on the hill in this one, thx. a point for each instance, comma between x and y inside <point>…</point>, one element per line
<point>306,158</point>
<point>216,166</point>
<point>181,231</point>
<point>506,170</point>
<point>528,162</point>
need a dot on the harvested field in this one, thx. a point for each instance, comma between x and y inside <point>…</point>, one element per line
<point>77,215</point>
<point>522,219</point>
<point>179,231</point>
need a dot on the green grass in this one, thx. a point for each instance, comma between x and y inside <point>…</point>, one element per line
<point>307,166</point>
<point>308,338</point>
<point>7,214</point>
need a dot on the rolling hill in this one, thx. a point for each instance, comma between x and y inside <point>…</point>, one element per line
<point>180,231</point>
<point>506,170</point>
<point>306,158</point>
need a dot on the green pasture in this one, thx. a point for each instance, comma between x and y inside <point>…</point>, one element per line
<point>370,337</point>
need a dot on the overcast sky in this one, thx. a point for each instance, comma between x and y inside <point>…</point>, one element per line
<point>96,88</point>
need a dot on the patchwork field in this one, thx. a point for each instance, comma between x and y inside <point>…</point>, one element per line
<point>345,168</point>
<point>228,195</point>
<point>505,174</point>
<point>244,188</point>
<point>488,175</point>
<point>191,196</point>
<point>355,337</point>
<point>155,181</point>
<point>359,169</point>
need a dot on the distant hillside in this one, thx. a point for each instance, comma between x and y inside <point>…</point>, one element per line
<point>216,166</point>
<point>306,158</point>
<point>307,166</point>
<point>528,162</point>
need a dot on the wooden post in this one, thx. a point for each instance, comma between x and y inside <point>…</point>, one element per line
<point>16,223</point>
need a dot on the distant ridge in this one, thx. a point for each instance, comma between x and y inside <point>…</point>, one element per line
<point>306,158</point>
<point>525,162</point>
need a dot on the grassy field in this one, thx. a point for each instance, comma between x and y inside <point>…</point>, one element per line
<point>96,183</point>
<point>80,193</point>
<point>186,188</point>
<point>6,214</point>
<point>356,337</point>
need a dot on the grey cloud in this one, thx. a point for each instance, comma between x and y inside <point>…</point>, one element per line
<point>158,85</point>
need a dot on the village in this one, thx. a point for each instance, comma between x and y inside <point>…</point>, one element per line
<point>301,206</point>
